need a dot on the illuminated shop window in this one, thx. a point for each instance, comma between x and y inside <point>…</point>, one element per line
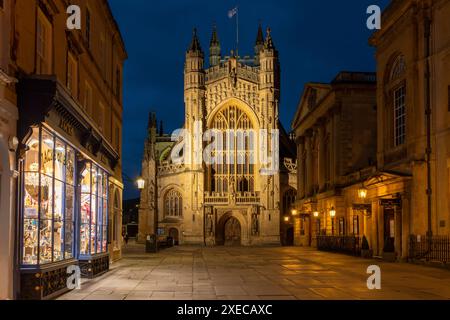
<point>94,210</point>
<point>48,199</point>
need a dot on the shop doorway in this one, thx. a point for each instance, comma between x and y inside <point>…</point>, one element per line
<point>174,234</point>
<point>389,230</point>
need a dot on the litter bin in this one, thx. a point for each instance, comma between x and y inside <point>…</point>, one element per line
<point>151,245</point>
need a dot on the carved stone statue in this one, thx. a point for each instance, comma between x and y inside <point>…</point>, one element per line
<point>255,221</point>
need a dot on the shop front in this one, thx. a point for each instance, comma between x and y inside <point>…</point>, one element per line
<point>65,166</point>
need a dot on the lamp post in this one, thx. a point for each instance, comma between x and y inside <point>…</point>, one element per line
<point>332,215</point>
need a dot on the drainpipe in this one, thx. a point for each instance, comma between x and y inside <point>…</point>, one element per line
<point>428,121</point>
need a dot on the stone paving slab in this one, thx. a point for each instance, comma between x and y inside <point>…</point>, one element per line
<point>257,273</point>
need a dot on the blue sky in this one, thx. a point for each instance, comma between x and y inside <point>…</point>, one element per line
<point>315,39</point>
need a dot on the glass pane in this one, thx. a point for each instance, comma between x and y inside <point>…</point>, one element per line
<point>46,197</point>
<point>86,181</point>
<point>93,240</point>
<point>30,241</point>
<point>94,210</point>
<point>70,166</point>
<point>94,180</point>
<point>84,239</point>
<point>45,241</point>
<point>60,159</point>
<point>32,155</point>
<point>100,211</point>
<point>85,208</point>
<point>58,238</point>
<point>68,242</point>
<point>100,184</point>
<point>99,238</point>
<point>105,185</point>
<point>31,196</point>
<point>105,211</point>
<point>59,198</point>
<point>105,244</point>
<point>70,198</point>
<point>47,153</point>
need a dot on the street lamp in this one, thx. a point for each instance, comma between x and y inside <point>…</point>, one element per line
<point>140,183</point>
<point>286,219</point>
<point>316,214</point>
<point>332,212</point>
<point>294,212</point>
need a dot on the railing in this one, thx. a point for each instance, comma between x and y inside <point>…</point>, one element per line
<point>247,198</point>
<point>216,198</point>
<point>226,198</point>
<point>434,248</point>
<point>344,244</point>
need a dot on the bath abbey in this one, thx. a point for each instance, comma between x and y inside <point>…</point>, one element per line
<point>226,202</point>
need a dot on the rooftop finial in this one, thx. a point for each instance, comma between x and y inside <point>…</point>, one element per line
<point>195,43</point>
<point>268,44</point>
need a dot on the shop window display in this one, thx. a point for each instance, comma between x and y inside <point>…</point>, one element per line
<point>48,199</point>
<point>94,200</point>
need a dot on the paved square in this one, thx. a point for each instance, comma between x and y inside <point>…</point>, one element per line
<point>190,273</point>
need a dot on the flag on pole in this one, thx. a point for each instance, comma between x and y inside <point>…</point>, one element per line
<point>232,12</point>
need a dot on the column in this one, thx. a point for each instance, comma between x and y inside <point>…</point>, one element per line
<point>405,226</point>
<point>374,229</point>
<point>398,230</point>
<point>380,228</point>
<point>300,167</point>
<point>321,156</point>
<point>309,164</point>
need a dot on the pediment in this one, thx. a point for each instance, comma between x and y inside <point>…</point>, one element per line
<point>312,95</point>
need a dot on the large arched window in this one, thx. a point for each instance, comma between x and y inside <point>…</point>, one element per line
<point>396,92</point>
<point>236,172</point>
<point>173,204</point>
<point>288,200</point>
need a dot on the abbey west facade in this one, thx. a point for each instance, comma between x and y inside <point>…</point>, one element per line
<point>233,202</point>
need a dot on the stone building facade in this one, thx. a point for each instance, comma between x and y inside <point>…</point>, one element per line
<point>228,203</point>
<point>67,85</point>
<point>413,71</point>
<point>335,129</point>
<point>401,196</point>
<point>8,145</point>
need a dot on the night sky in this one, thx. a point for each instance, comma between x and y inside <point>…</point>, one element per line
<point>315,39</point>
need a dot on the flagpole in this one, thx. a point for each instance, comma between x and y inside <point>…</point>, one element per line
<point>237,32</point>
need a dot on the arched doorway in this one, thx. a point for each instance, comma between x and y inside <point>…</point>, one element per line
<point>174,234</point>
<point>232,232</point>
<point>290,236</point>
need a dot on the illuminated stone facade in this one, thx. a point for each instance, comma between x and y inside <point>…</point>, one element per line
<point>395,211</point>
<point>219,204</point>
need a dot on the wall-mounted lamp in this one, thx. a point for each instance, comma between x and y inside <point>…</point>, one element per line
<point>316,214</point>
<point>362,193</point>
<point>140,183</point>
<point>294,212</point>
